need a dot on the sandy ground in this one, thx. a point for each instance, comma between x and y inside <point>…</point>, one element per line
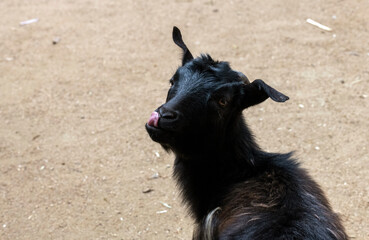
<point>75,159</point>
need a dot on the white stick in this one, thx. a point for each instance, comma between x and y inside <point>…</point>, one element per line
<point>311,21</point>
<point>159,212</point>
<point>165,204</point>
<point>28,21</point>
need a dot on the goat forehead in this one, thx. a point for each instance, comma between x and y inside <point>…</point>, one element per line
<point>194,81</point>
<point>206,79</point>
<point>197,79</point>
<point>194,90</point>
<point>207,70</point>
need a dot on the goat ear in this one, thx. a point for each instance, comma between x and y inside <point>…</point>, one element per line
<point>177,38</point>
<point>258,91</point>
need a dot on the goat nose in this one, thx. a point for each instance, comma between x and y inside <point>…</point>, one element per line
<point>167,114</point>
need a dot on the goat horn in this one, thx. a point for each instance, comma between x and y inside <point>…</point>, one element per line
<point>243,78</point>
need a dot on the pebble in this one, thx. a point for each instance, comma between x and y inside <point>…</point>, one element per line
<point>155,176</point>
<point>56,40</point>
<point>147,190</point>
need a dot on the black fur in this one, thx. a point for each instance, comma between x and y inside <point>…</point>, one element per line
<point>218,164</point>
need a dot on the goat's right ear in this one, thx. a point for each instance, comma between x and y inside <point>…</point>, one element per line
<point>177,38</point>
<point>258,91</point>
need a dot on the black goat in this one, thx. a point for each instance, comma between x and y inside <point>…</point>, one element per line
<point>233,189</point>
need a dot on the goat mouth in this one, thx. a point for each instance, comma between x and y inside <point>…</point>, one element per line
<point>159,123</point>
<point>159,129</point>
<point>158,134</point>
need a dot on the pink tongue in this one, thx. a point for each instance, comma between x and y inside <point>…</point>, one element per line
<point>154,118</point>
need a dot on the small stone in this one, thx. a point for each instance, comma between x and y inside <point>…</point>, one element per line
<point>35,137</point>
<point>234,46</point>
<point>353,53</point>
<point>56,40</point>
<point>155,176</point>
<point>147,190</point>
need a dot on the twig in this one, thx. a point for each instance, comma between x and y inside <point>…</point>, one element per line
<point>321,26</point>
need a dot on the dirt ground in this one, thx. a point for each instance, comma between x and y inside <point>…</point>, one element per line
<point>75,159</point>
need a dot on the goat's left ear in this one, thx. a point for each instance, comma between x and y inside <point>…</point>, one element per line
<point>177,38</point>
<point>258,91</point>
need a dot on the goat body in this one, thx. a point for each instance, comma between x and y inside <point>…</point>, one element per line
<point>232,188</point>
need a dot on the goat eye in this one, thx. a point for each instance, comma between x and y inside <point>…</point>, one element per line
<point>222,102</point>
<point>171,82</point>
